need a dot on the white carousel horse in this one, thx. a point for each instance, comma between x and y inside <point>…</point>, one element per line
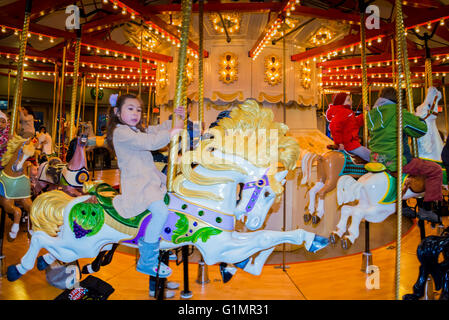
<point>203,207</point>
<point>375,193</point>
<point>430,145</point>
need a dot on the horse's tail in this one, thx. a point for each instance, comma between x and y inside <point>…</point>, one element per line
<point>47,211</point>
<point>348,189</point>
<point>306,167</point>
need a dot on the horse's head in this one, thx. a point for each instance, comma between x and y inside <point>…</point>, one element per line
<point>429,108</point>
<point>22,148</point>
<point>256,199</point>
<point>83,133</point>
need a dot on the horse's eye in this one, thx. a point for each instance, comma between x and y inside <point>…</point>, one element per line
<point>266,194</point>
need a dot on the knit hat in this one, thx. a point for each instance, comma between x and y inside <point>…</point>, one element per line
<point>339,99</point>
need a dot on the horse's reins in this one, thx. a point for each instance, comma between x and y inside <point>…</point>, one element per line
<point>430,111</point>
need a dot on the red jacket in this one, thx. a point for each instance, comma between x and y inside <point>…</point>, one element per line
<point>344,126</point>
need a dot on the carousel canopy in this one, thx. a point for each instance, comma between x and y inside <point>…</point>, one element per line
<point>114,35</point>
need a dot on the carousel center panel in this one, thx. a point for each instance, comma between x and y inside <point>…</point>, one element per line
<point>295,202</point>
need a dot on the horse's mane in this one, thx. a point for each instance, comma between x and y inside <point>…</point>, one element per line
<point>13,144</point>
<point>252,128</point>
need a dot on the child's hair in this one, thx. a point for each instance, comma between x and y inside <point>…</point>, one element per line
<point>114,119</point>
<point>43,127</point>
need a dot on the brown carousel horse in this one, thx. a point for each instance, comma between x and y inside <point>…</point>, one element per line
<point>330,166</point>
<point>14,181</point>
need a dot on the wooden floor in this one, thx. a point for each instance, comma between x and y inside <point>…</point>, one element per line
<point>332,279</point>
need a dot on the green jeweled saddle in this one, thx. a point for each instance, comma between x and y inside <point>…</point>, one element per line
<point>105,194</point>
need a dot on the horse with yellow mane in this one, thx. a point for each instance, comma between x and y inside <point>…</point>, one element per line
<point>245,150</point>
<point>14,181</point>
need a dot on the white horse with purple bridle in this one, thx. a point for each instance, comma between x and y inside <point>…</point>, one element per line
<point>203,208</point>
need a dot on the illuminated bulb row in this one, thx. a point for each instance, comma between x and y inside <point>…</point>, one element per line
<point>30,34</point>
<point>120,84</point>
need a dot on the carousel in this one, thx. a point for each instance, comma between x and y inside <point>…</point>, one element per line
<point>218,129</point>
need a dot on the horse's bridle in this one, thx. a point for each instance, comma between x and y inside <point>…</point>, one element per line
<point>258,186</point>
<point>14,166</point>
<point>430,111</point>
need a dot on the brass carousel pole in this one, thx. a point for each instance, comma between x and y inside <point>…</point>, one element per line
<point>82,88</point>
<point>367,258</point>
<point>140,62</point>
<point>9,87</point>
<point>445,108</point>
<point>76,67</point>
<point>402,56</point>
<point>20,65</point>
<point>55,87</point>
<point>200,68</point>
<point>96,103</point>
<point>84,96</point>
<point>179,91</point>
<point>61,98</point>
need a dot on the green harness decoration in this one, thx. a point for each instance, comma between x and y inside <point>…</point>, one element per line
<point>390,195</point>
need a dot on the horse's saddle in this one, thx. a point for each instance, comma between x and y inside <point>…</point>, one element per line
<point>354,165</point>
<point>51,172</point>
<point>186,221</point>
<point>14,187</point>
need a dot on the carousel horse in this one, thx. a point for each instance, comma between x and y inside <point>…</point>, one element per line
<point>373,196</point>
<point>430,145</point>
<point>53,173</point>
<point>14,182</point>
<point>202,209</point>
<point>428,253</point>
<point>330,166</point>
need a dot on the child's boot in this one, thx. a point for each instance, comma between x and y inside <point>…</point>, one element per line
<point>149,260</point>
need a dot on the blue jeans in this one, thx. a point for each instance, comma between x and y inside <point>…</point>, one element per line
<point>159,215</point>
<point>362,152</point>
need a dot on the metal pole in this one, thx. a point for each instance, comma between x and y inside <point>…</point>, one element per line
<point>55,94</point>
<point>61,98</point>
<point>445,109</point>
<point>399,147</point>
<point>179,91</point>
<point>200,67</point>
<point>76,67</point>
<point>78,114</point>
<point>140,62</point>
<point>96,103</point>
<point>9,87</point>
<point>367,258</point>
<point>20,66</point>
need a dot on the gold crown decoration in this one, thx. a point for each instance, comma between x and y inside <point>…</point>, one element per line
<point>228,68</point>
<point>273,65</point>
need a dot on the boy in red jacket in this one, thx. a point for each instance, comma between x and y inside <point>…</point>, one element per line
<point>344,126</point>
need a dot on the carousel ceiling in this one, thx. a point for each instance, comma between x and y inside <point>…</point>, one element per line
<point>325,32</point>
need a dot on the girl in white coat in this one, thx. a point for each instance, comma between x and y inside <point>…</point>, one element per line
<point>142,184</point>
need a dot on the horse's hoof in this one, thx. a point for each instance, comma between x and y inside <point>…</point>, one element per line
<point>318,243</point>
<point>41,264</point>
<point>226,272</point>
<point>410,296</point>
<point>346,243</point>
<point>307,218</point>
<point>315,220</point>
<point>333,238</point>
<point>13,273</point>
<point>9,238</point>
